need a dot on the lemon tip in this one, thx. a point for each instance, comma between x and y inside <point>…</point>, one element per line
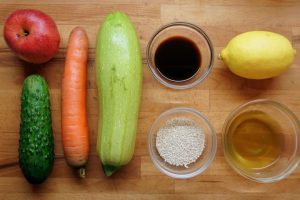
<point>220,55</point>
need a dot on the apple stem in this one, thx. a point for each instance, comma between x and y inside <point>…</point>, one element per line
<point>23,33</point>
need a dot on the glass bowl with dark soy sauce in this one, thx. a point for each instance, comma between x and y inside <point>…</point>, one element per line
<point>180,55</point>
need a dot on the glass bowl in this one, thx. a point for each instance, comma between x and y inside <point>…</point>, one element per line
<point>198,37</point>
<point>208,153</point>
<point>261,141</point>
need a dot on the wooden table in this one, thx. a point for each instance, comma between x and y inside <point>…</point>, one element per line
<point>216,97</point>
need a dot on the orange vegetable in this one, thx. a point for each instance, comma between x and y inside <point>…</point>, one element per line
<point>75,134</point>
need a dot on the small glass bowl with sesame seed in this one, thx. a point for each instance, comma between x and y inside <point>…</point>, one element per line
<point>182,143</point>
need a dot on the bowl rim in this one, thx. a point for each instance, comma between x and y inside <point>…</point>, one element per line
<point>208,68</point>
<point>212,152</point>
<point>289,168</point>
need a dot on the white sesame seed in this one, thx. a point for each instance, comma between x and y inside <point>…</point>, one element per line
<point>180,142</point>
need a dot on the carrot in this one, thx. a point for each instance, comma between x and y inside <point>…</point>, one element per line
<point>75,135</point>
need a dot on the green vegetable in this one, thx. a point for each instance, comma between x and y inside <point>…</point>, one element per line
<point>36,150</point>
<point>119,81</point>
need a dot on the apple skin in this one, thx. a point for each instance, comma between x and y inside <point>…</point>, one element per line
<point>32,35</point>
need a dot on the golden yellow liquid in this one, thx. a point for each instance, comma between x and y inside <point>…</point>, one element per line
<point>254,140</point>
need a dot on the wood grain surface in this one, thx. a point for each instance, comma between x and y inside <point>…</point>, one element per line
<point>216,97</point>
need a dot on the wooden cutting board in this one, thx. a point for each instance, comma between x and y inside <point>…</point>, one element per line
<point>216,97</point>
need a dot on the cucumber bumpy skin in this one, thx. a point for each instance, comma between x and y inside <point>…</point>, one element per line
<point>36,144</point>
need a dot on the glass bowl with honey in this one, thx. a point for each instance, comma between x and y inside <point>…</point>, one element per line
<point>261,141</point>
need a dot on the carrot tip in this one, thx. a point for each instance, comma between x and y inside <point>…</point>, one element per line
<point>81,172</point>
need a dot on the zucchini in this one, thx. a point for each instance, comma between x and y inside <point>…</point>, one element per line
<point>119,82</point>
<point>36,144</point>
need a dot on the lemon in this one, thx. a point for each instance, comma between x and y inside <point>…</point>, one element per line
<point>258,54</point>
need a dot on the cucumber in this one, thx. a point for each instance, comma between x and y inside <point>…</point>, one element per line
<point>119,82</point>
<point>36,145</point>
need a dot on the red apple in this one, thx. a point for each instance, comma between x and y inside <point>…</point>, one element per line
<point>32,35</point>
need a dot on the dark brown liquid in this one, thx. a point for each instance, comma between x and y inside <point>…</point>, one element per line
<point>177,58</point>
